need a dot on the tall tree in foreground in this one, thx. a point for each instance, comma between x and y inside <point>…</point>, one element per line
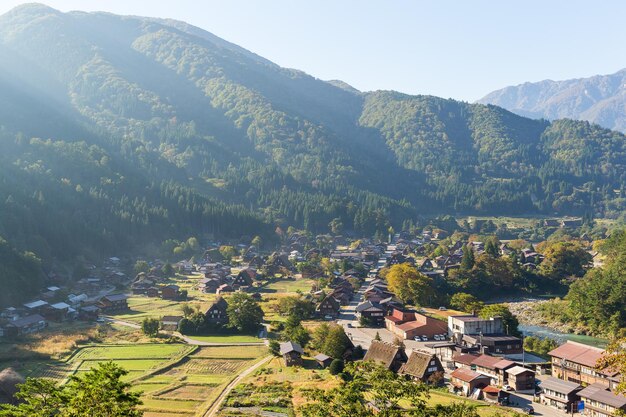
<point>99,392</point>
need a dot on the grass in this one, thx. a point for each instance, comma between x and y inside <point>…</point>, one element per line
<point>143,351</point>
<point>484,409</point>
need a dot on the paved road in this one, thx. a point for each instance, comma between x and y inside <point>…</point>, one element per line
<point>212,411</point>
<point>524,400</point>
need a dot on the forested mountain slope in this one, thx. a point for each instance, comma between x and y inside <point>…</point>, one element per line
<point>121,132</point>
<point>599,99</point>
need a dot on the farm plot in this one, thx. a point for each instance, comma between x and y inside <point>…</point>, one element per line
<point>196,381</point>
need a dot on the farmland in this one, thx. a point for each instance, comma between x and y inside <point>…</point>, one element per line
<point>175,379</point>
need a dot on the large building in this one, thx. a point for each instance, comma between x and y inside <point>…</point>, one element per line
<point>407,324</point>
<point>473,325</point>
<point>484,334</point>
<point>600,402</point>
<point>577,363</point>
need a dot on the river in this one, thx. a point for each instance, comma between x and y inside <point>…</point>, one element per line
<point>541,331</point>
<point>531,324</point>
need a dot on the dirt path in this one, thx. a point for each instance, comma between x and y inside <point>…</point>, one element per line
<point>214,408</point>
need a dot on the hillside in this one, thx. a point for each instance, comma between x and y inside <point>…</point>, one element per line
<point>599,99</point>
<point>118,133</point>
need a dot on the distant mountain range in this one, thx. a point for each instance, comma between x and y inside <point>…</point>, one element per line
<point>119,133</point>
<point>599,99</point>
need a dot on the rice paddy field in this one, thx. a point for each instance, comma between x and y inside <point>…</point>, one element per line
<point>175,379</point>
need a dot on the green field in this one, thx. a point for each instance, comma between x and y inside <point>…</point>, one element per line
<point>175,379</point>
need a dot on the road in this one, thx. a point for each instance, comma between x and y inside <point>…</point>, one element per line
<point>524,400</point>
<point>212,411</point>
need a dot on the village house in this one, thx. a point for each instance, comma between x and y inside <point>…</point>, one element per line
<point>424,367</point>
<point>323,361</point>
<point>408,324</point>
<point>217,312</point>
<point>370,313</point>
<point>171,292</point>
<point>576,362</point>
<point>292,353</point>
<point>224,289</point>
<point>600,402</point>
<point>521,379</point>
<point>113,303</point>
<point>492,366</point>
<point>466,381</point>
<point>390,356</point>
<point>170,323</point>
<point>329,306</point>
<point>245,277</point>
<point>25,325</point>
<point>562,395</point>
<point>497,344</point>
<point>89,313</point>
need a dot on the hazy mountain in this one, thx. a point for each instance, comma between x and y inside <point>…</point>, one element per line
<point>119,133</point>
<point>599,99</point>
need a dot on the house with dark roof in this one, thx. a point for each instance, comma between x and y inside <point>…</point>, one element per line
<point>370,313</point>
<point>562,395</point>
<point>600,402</point>
<point>577,362</point>
<point>25,325</point>
<point>329,306</point>
<point>423,367</point>
<point>170,292</point>
<point>113,303</point>
<point>216,314</point>
<point>170,322</point>
<point>245,277</point>
<point>292,353</point>
<point>322,360</point>
<point>390,356</point>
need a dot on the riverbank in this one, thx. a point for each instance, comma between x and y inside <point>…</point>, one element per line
<point>533,323</point>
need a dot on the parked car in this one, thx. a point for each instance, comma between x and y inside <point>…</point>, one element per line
<point>442,309</point>
<point>350,325</point>
<point>424,338</point>
<point>529,410</point>
<point>507,387</point>
<point>437,337</point>
<point>417,339</point>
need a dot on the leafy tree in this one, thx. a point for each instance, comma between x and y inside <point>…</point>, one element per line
<point>39,397</point>
<point>257,241</point>
<point>467,261</point>
<point>187,309</point>
<point>377,337</point>
<point>492,246</point>
<point>336,226</point>
<point>564,259</point>
<point>274,347</point>
<point>364,382</point>
<point>98,392</point>
<point>150,327</point>
<point>466,302</point>
<point>331,340</point>
<point>409,284</point>
<point>168,270</point>
<point>509,321</point>
<point>228,252</point>
<point>141,266</point>
<point>244,313</point>
<point>336,367</point>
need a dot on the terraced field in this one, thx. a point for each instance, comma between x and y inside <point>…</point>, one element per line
<point>175,379</point>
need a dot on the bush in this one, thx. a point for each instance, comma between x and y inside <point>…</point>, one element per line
<point>336,367</point>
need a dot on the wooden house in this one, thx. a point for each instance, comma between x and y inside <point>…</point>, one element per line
<point>217,312</point>
<point>113,303</point>
<point>423,367</point>
<point>292,353</point>
<point>521,379</point>
<point>390,356</point>
<point>329,306</point>
<point>323,361</point>
<point>466,381</point>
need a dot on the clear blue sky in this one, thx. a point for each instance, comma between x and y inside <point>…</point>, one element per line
<point>461,49</point>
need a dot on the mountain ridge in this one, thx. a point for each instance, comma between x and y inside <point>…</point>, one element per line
<point>136,131</point>
<point>599,99</point>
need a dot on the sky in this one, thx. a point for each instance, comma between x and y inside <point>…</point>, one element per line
<point>458,49</point>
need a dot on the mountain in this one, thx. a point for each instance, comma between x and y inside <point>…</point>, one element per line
<point>121,134</point>
<point>599,99</point>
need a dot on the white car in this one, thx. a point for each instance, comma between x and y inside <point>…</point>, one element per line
<point>417,339</point>
<point>424,338</point>
<point>437,337</point>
